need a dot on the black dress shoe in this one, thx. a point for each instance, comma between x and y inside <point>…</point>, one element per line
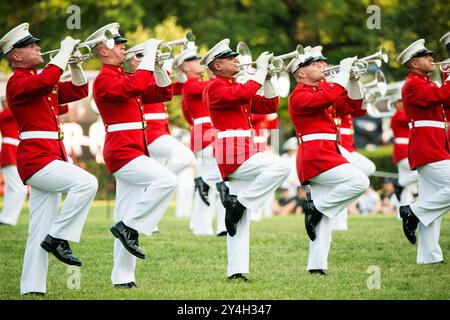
<point>129,285</point>
<point>222,234</point>
<point>238,276</point>
<point>234,211</point>
<point>203,189</point>
<point>318,271</point>
<point>223,190</point>
<point>129,238</point>
<point>312,219</point>
<point>410,222</point>
<point>60,249</point>
<point>38,294</point>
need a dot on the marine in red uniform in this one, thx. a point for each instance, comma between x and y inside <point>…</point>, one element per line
<point>428,151</point>
<point>144,187</point>
<point>162,147</point>
<point>15,192</point>
<point>407,178</point>
<point>252,175</point>
<point>335,183</point>
<point>202,138</point>
<point>445,40</point>
<point>41,159</point>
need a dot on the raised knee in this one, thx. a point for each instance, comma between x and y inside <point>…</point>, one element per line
<point>361,183</point>
<point>91,183</point>
<point>171,181</point>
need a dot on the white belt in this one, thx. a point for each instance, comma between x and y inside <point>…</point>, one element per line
<point>427,123</point>
<point>260,139</point>
<point>234,133</point>
<point>127,126</point>
<point>55,135</point>
<point>14,142</point>
<point>202,120</point>
<point>318,136</point>
<point>156,116</point>
<point>346,131</point>
<point>401,140</point>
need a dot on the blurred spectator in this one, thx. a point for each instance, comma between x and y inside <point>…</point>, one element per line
<point>289,205</point>
<point>369,202</point>
<point>292,182</point>
<point>389,201</point>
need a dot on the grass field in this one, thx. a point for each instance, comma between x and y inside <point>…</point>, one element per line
<point>182,266</point>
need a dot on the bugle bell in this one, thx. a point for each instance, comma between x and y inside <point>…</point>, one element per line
<point>77,56</point>
<point>165,50</point>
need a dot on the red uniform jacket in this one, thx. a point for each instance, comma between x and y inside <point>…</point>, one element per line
<point>308,110</point>
<point>230,106</point>
<point>272,121</point>
<point>8,128</point>
<point>120,97</point>
<point>400,129</point>
<point>156,127</point>
<point>445,76</point>
<point>261,134</point>
<point>33,99</point>
<point>423,100</point>
<point>203,134</point>
<point>346,131</point>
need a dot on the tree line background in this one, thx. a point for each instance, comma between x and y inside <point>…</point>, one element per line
<point>273,25</point>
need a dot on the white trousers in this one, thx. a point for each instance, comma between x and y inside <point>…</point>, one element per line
<point>432,204</point>
<point>171,153</point>
<point>359,161</point>
<point>408,179</point>
<point>340,222</point>
<point>185,193</point>
<point>202,215</point>
<point>253,183</point>
<point>332,191</point>
<point>46,187</point>
<point>143,192</point>
<point>14,197</point>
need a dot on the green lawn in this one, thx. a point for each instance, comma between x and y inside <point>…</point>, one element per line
<point>182,266</point>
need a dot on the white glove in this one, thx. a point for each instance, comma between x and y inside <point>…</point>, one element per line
<point>62,57</point>
<point>77,74</point>
<point>354,89</point>
<point>161,77</point>
<point>270,90</point>
<point>263,60</point>
<point>150,50</point>
<point>259,76</point>
<point>347,63</point>
<point>180,76</point>
<point>344,72</point>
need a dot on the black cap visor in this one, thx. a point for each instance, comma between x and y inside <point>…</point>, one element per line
<point>26,41</point>
<point>119,39</point>
<point>192,58</point>
<point>422,53</point>
<point>226,54</point>
<point>307,62</point>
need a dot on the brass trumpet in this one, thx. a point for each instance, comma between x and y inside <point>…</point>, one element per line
<point>165,51</point>
<point>443,65</point>
<point>276,63</point>
<point>77,56</point>
<point>361,66</point>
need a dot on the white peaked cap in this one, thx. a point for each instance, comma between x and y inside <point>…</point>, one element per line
<point>219,51</point>
<point>17,37</point>
<point>415,49</point>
